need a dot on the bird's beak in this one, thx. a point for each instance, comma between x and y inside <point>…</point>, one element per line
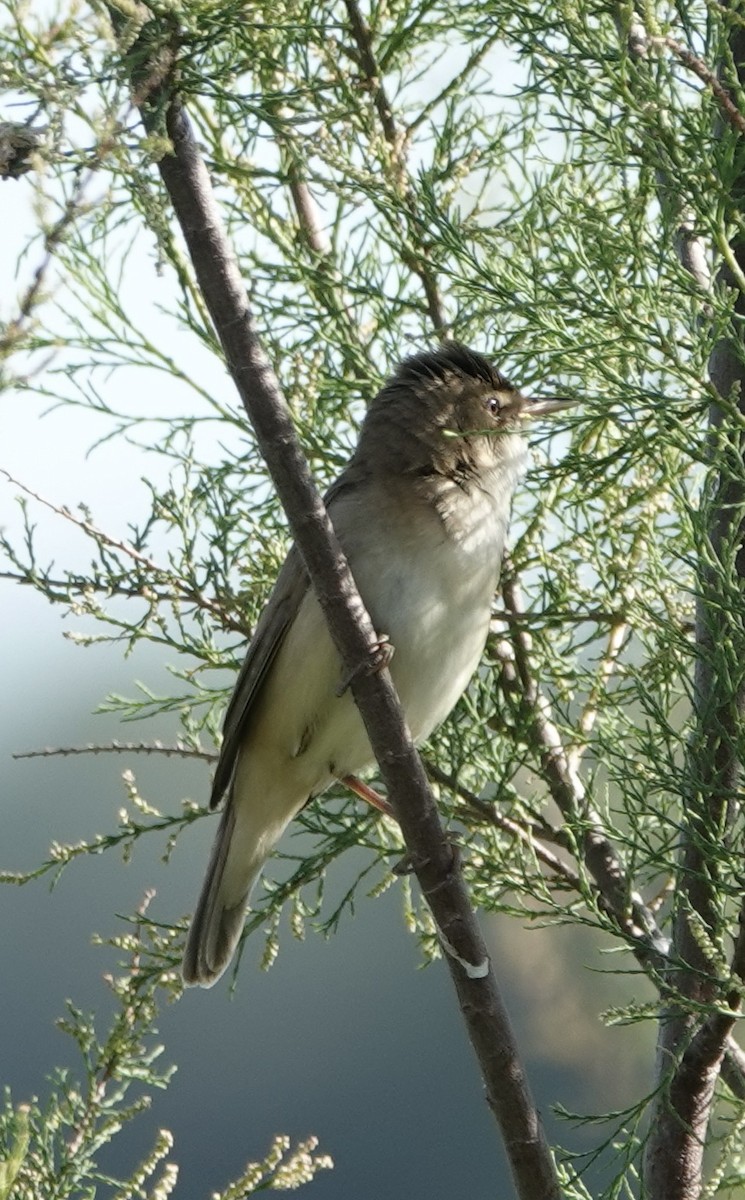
<point>530,409</point>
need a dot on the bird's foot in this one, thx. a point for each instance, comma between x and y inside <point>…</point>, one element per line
<point>381,653</point>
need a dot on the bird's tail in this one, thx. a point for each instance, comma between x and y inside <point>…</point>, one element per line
<point>218,920</point>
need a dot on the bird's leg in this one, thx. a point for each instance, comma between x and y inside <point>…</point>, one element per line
<point>365,792</point>
<point>381,653</point>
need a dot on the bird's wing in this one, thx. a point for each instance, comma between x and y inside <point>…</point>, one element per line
<point>279,612</point>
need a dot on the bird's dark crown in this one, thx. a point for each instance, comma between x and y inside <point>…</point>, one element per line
<point>450,358</point>
<point>433,413</point>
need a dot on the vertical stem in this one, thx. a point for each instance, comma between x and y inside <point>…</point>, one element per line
<point>690,1050</point>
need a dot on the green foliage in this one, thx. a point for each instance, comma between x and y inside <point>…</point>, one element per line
<point>54,1148</point>
<point>538,216</point>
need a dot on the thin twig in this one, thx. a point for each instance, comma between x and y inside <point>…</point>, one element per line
<point>329,283</point>
<point>15,329</point>
<point>729,109</point>
<point>150,567</point>
<point>455,83</point>
<point>545,616</point>
<point>97,1093</point>
<point>616,639</point>
<point>530,837</point>
<point>116,747</point>
<point>60,589</point>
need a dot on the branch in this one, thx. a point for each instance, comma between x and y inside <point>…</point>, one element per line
<point>476,57</point>
<point>652,950</point>
<point>691,248</point>
<point>672,1163</point>
<point>488,812</point>
<point>729,109</point>
<point>548,616</point>
<point>690,1051</point>
<point>616,639</point>
<point>733,1069</point>
<point>396,140</point>
<point>187,182</point>
<point>115,747</point>
<point>629,912</point>
<point>15,330</point>
<point>326,283</point>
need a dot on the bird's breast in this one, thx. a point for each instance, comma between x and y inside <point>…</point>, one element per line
<point>428,585</point>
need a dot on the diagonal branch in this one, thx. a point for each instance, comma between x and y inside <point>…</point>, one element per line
<point>530,837</point>
<point>703,71</point>
<point>629,912</point>
<point>186,179</point>
<point>634,919</point>
<point>452,87</point>
<point>616,640</point>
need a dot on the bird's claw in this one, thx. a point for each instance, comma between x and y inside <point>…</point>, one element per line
<point>381,653</point>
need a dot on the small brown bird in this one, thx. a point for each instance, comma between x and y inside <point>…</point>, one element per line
<point>421,512</point>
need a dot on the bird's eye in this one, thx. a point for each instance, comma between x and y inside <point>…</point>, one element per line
<point>493,405</point>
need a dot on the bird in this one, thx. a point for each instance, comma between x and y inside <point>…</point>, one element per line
<point>421,512</point>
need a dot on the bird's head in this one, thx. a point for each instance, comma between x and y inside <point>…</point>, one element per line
<point>452,412</point>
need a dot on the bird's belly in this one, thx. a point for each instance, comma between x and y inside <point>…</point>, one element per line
<point>436,612</point>
<point>431,598</point>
